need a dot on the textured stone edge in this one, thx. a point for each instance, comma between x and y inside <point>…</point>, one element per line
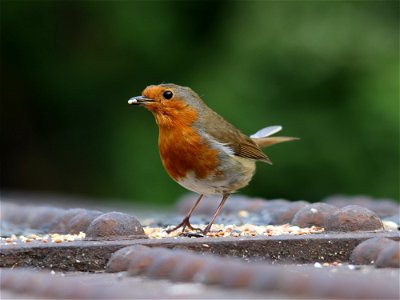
<point>94,255</point>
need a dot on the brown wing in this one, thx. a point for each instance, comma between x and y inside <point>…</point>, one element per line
<point>248,149</point>
<point>226,133</point>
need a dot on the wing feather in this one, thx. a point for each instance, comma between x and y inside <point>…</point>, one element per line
<point>241,145</point>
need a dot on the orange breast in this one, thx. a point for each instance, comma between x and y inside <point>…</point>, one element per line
<point>181,148</point>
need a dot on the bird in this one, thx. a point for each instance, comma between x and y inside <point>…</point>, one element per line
<point>199,149</point>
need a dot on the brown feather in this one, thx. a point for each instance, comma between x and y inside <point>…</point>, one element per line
<point>251,150</point>
<point>269,141</point>
<point>230,136</point>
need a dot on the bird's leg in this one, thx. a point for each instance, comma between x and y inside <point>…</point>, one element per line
<point>185,222</point>
<point>207,229</point>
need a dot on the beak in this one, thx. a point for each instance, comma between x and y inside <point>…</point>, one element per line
<point>138,100</point>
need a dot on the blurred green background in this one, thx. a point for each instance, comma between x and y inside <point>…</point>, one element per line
<point>328,72</point>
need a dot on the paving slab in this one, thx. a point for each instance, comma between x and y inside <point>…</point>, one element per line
<point>342,282</point>
<point>33,284</point>
<point>70,261</point>
<point>93,255</point>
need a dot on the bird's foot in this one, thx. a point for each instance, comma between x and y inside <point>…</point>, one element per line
<point>184,224</point>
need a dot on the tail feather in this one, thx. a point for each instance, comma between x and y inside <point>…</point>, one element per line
<point>263,137</point>
<point>267,131</point>
<point>269,141</point>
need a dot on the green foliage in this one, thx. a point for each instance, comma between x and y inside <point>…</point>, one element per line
<point>327,71</point>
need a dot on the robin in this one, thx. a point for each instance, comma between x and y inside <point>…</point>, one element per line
<point>199,149</point>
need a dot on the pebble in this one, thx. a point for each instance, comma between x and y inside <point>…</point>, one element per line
<point>353,218</point>
<point>115,225</point>
<point>178,265</point>
<point>389,257</point>
<point>367,252</point>
<point>315,214</point>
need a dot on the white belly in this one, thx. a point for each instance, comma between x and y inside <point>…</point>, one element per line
<point>230,176</point>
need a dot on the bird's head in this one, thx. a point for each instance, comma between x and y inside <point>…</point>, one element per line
<point>170,102</point>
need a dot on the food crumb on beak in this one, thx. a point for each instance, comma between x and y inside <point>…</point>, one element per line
<point>132,101</point>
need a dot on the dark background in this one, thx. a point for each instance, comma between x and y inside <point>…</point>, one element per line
<point>328,72</point>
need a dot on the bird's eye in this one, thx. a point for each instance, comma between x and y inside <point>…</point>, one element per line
<point>168,95</point>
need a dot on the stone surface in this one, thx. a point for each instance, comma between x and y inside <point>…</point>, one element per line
<point>382,207</point>
<point>187,268</point>
<point>389,257</point>
<point>43,218</point>
<point>264,277</point>
<point>144,260</point>
<point>33,284</point>
<point>207,267</point>
<point>367,252</point>
<point>81,221</point>
<point>113,226</point>
<point>353,218</point>
<point>120,260</point>
<point>275,211</point>
<point>161,267</point>
<point>93,255</point>
<point>61,224</point>
<point>315,214</point>
<point>209,204</point>
<point>283,212</point>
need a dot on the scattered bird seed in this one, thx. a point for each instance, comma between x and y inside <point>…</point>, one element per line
<point>317,265</point>
<point>220,230</point>
<point>46,238</point>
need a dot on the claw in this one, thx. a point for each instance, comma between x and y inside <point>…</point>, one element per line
<point>185,223</point>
